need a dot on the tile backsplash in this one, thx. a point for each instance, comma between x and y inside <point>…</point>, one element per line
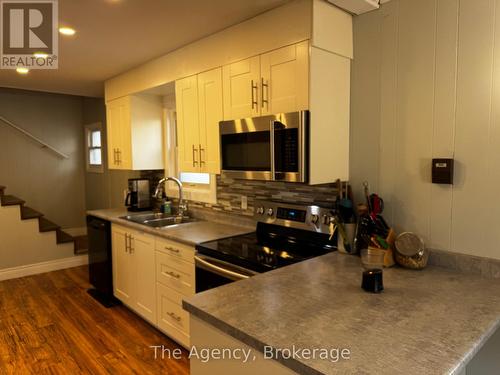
<point>229,193</point>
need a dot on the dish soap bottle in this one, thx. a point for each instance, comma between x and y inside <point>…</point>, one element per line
<point>166,207</point>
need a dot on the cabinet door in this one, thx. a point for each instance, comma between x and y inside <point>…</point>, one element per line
<point>210,113</point>
<point>113,133</point>
<point>119,134</point>
<point>123,266</point>
<point>172,319</point>
<point>143,257</point>
<point>125,153</point>
<point>285,76</point>
<point>186,96</point>
<point>241,89</point>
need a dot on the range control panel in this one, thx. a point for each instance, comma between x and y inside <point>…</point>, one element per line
<point>313,218</point>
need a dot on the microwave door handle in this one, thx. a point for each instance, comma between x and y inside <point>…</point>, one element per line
<point>273,150</point>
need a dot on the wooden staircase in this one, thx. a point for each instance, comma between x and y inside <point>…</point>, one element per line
<point>44,225</point>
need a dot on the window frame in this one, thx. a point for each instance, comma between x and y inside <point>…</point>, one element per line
<point>89,129</point>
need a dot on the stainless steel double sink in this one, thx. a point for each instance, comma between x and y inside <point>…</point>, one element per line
<point>158,220</point>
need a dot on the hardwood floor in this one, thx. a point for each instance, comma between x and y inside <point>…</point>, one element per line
<point>50,325</point>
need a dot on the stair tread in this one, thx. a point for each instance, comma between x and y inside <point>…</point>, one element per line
<point>46,225</point>
<point>10,200</point>
<point>63,237</point>
<point>29,213</point>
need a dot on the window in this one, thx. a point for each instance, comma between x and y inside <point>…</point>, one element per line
<point>93,147</point>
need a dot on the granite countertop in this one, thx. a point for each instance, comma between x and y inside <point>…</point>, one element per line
<point>430,321</point>
<point>188,233</point>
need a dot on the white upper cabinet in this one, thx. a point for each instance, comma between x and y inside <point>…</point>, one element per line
<point>241,88</point>
<point>188,135</point>
<point>271,83</point>
<point>284,83</point>
<point>210,114</point>
<point>199,110</point>
<point>134,132</point>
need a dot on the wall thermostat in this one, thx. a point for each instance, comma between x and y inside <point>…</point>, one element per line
<point>442,171</point>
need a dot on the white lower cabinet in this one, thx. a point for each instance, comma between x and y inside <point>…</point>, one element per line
<point>172,319</point>
<point>133,270</point>
<point>175,276</point>
<point>151,276</point>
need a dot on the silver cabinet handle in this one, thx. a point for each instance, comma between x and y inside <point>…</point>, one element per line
<point>254,99</point>
<point>201,159</point>
<point>177,251</point>
<point>266,85</point>
<point>174,316</point>
<point>119,153</point>
<point>115,158</point>
<point>195,151</point>
<point>130,248</point>
<point>173,274</point>
<point>126,242</point>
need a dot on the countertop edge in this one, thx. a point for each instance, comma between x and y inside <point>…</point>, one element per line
<point>158,232</point>
<point>476,348</point>
<point>246,339</point>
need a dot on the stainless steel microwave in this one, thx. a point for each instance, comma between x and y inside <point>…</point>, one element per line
<point>273,148</point>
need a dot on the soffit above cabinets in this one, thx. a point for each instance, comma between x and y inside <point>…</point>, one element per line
<point>358,6</point>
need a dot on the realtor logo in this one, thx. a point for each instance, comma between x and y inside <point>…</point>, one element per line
<point>28,36</point>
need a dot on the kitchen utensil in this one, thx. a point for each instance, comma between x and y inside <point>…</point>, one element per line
<point>410,251</point>
<point>343,234</point>
<point>367,195</point>
<point>377,205</point>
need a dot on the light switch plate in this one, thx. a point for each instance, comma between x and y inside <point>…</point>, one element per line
<point>244,202</point>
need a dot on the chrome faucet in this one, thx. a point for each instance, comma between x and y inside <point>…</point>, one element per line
<point>182,205</point>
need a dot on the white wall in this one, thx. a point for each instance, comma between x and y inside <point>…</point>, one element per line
<point>426,83</point>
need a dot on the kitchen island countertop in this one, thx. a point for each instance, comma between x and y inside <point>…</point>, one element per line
<point>425,322</point>
<point>188,233</point>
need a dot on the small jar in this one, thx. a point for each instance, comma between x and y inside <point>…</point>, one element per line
<point>410,251</point>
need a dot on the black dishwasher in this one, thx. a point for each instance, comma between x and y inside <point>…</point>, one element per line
<point>100,266</point>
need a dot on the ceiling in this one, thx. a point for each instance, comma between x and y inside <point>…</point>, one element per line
<point>114,36</point>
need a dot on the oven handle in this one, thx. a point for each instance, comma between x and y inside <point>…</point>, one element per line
<point>204,263</point>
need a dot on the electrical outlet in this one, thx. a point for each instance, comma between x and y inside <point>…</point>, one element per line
<point>244,202</point>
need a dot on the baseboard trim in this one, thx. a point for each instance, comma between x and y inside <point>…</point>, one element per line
<point>34,269</point>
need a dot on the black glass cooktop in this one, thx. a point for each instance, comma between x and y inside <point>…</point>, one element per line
<point>270,247</point>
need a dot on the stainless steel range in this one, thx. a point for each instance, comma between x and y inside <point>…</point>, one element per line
<point>285,234</point>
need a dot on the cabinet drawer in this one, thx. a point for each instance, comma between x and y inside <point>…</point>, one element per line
<point>172,319</point>
<point>175,273</point>
<point>176,249</point>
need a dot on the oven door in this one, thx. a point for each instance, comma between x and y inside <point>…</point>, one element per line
<point>211,273</point>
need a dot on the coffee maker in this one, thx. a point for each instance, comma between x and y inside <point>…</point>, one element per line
<point>138,195</point>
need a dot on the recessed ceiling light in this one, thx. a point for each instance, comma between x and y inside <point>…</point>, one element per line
<point>67,31</point>
<point>22,70</point>
<point>40,55</point>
